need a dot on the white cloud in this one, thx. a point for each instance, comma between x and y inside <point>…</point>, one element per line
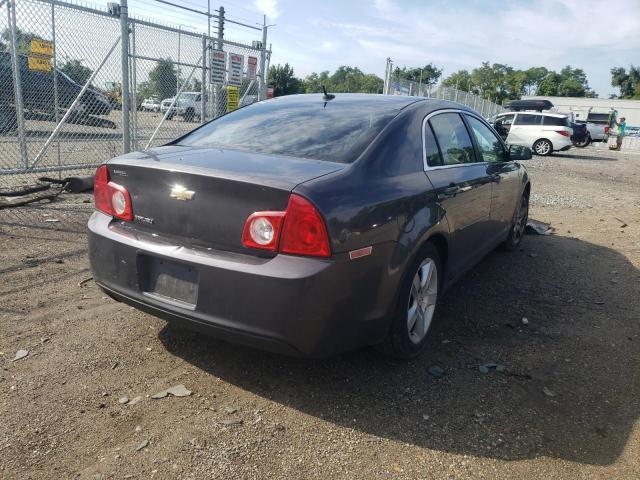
<point>268,7</point>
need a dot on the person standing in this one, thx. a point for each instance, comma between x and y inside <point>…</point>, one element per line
<point>622,126</point>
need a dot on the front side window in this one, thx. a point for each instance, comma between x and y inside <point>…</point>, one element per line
<point>489,144</point>
<point>528,119</point>
<point>453,139</point>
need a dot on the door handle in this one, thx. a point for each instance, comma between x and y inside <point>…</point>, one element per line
<point>451,190</point>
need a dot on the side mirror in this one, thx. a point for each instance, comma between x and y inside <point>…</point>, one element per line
<point>517,152</point>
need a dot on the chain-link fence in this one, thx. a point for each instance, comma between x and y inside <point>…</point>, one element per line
<point>63,108</point>
<point>483,106</point>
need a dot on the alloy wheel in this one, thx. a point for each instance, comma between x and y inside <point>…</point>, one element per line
<point>521,219</point>
<point>542,147</point>
<point>422,300</point>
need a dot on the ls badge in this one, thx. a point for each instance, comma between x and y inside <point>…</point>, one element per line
<point>181,193</point>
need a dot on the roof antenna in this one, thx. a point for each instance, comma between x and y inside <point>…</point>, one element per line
<point>327,96</point>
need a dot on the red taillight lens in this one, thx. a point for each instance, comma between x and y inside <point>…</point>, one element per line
<point>304,232</point>
<point>564,133</point>
<point>109,197</point>
<point>606,130</point>
<point>299,231</point>
<point>262,230</point>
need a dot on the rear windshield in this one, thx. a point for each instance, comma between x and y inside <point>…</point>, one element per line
<point>555,121</point>
<point>337,131</point>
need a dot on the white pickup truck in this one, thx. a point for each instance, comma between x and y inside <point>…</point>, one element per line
<point>597,125</point>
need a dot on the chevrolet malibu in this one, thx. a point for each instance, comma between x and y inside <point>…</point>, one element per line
<point>309,224</point>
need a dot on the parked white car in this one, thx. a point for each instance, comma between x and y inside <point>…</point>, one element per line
<point>542,132</point>
<point>189,106</point>
<point>151,105</point>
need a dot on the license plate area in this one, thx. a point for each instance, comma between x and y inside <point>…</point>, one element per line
<point>168,281</point>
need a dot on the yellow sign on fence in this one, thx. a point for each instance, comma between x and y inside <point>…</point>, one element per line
<point>40,64</point>
<point>41,47</point>
<point>232,98</point>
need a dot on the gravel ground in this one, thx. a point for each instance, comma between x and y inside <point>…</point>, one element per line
<point>563,401</point>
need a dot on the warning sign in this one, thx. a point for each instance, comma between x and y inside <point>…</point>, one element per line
<point>218,63</point>
<point>39,64</point>
<point>233,98</point>
<point>252,65</point>
<point>234,73</point>
<point>41,47</point>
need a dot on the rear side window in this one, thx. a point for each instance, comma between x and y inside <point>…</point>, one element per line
<point>431,147</point>
<point>555,121</point>
<point>528,119</point>
<point>453,139</point>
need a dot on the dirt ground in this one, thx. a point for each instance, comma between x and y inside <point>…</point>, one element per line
<point>565,405</point>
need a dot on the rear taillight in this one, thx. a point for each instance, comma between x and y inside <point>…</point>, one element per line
<point>564,133</point>
<point>109,197</point>
<point>262,230</point>
<point>606,130</point>
<point>300,230</point>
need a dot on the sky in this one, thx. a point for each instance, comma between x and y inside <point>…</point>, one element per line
<point>313,36</point>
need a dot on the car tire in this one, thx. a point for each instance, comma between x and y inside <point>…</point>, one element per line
<point>584,143</point>
<point>189,115</point>
<point>417,302</point>
<point>543,147</point>
<point>518,224</point>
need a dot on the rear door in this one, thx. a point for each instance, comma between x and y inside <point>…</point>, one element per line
<point>503,124</point>
<point>461,183</point>
<point>504,173</point>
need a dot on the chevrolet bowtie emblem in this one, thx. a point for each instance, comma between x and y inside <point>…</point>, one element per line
<point>181,193</point>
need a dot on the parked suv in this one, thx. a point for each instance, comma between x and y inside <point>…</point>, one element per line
<point>189,106</point>
<point>543,132</point>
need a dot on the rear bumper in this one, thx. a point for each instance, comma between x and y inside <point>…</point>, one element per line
<point>287,304</point>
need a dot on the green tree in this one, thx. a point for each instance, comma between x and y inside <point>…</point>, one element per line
<point>427,75</point>
<point>460,80</point>
<point>628,83</point>
<point>24,40</point>
<point>313,83</point>
<point>283,80</point>
<point>534,76</point>
<point>162,83</point>
<point>76,71</point>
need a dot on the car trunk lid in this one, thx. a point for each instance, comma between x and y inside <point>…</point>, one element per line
<point>204,195</point>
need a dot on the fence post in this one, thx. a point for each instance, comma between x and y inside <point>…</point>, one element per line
<point>134,89</point>
<point>219,46</point>
<point>264,75</point>
<point>203,82</point>
<point>126,104</point>
<point>17,82</point>
<point>56,107</point>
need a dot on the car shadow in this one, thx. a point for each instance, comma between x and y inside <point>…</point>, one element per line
<point>569,390</point>
<point>579,156</point>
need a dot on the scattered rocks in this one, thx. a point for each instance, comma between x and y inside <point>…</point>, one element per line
<point>123,400</point>
<point>20,354</point>
<point>548,392</point>
<point>143,444</point>
<point>230,410</point>
<point>525,321</point>
<point>133,401</point>
<point>226,422</point>
<point>176,391</point>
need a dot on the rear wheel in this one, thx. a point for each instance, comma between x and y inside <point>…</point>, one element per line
<point>189,114</point>
<point>519,223</point>
<point>416,305</point>
<point>584,143</point>
<point>543,147</point>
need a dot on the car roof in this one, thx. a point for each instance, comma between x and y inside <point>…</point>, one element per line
<point>392,102</point>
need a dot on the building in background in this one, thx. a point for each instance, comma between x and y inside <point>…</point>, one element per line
<point>581,107</point>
